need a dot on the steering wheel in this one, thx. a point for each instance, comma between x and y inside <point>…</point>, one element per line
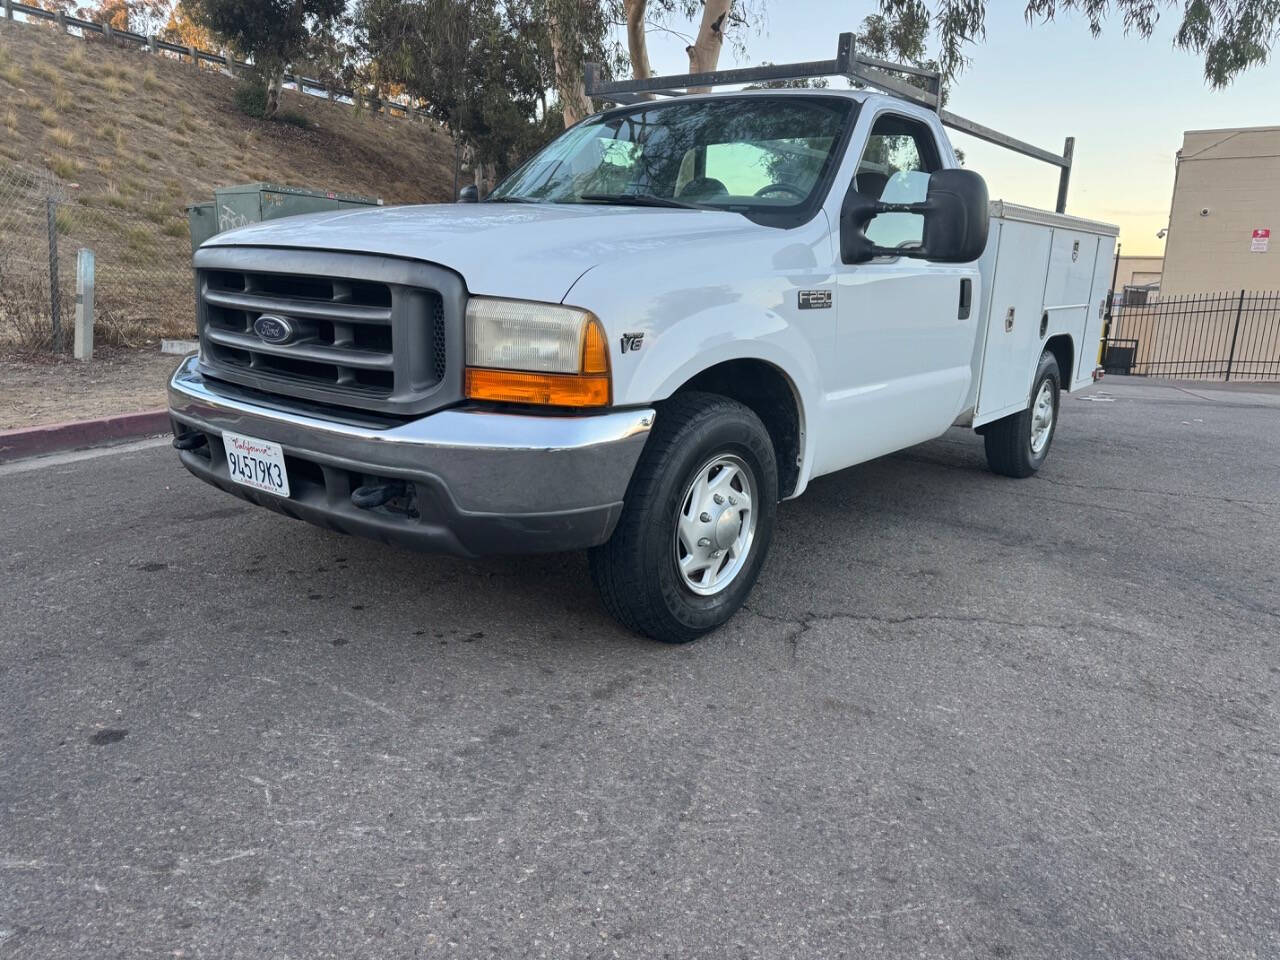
<point>783,188</point>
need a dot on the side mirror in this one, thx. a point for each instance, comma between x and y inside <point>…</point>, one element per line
<point>956,221</point>
<point>469,194</point>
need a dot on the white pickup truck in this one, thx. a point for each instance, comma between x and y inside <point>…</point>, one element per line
<point>677,314</point>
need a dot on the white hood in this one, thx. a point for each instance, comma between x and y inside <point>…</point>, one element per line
<point>532,251</point>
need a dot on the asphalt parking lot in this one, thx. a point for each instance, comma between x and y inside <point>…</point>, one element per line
<point>964,716</point>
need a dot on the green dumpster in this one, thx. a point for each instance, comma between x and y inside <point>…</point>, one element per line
<point>203,221</point>
<point>255,202</point>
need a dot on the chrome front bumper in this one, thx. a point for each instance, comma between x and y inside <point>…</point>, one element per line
<point>479,481</point>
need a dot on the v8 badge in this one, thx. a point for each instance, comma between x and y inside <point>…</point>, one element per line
<point>632,341</point>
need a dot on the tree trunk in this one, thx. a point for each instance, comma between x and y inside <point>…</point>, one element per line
<point>637,48</point>
<point>704,55</point>
<point>569,82</point>
<point>275,83</point>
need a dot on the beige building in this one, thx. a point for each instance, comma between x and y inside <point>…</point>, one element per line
<point>1224,222</point>
<point>1138,271</point>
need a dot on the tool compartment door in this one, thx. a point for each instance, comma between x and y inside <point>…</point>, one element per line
<point>1067,290</point>
<point>1013,318</point>
<point>1089,353</point>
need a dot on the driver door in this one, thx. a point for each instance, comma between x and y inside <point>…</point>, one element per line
<point>904,339</point>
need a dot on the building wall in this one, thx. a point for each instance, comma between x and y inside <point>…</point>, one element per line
<point>1233,175</point>
<point>1137,271</point>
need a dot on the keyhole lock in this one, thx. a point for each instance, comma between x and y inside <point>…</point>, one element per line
<point>1008,321</point>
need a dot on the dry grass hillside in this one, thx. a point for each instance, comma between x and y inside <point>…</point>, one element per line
<point>128,139</point>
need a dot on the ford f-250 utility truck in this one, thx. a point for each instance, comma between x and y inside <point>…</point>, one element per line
<point>678,313</point>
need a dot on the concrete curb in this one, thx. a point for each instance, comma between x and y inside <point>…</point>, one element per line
<point>57,437</point>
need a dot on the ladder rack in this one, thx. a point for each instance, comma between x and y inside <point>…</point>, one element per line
<point>857,68</point>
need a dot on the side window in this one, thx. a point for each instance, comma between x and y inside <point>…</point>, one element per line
<point>895,168</point>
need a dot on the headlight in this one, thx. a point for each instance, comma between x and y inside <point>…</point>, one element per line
<point>543,353</point>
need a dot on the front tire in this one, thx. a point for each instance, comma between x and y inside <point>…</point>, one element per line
<point>696,524</point>
<point>1017,446</point>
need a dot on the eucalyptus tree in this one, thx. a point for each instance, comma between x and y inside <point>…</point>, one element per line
<point>272,33</point>
<point>1230,35</point>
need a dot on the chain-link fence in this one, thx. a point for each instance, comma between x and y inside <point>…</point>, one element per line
<point>143,276</point>
<point>27,195</point>
<point>142,250</point>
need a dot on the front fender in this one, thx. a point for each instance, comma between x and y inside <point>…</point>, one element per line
<point>674,354</point>
<point>677,314</point>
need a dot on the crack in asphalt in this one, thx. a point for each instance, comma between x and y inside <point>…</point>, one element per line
<point>806,623</point>
<point>1160,493</point>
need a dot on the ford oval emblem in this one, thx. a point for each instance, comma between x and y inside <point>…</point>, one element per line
<point>274,328</point>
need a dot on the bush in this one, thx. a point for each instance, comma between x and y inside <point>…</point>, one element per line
<point>65,167</point>
<point>251,98</point>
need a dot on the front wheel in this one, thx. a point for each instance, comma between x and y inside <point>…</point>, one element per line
<point>696,524</point>
<point>1018,445</point>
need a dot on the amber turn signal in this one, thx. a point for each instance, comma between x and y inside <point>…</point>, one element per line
<point>595,355</point>
<point>546,389</point>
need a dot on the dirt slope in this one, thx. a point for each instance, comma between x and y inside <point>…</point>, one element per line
<point>128,139</point>
<point>138,122</point>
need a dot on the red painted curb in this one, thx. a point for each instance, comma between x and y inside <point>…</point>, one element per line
<point>56,437</point>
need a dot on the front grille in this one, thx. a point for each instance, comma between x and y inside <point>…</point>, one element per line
<point>368,332</point>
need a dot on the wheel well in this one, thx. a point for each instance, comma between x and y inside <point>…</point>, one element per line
<point>1064,351</point>
<point>767,392</point>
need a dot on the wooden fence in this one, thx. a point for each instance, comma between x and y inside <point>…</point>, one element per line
<point>153,44</point>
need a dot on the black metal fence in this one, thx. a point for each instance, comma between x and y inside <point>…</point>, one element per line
<point>1204,336</point>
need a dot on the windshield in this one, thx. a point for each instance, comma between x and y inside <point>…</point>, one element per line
<point>750,154</point>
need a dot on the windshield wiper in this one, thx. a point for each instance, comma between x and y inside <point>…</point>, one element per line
<point>511,200</point>
<point>638,200</point>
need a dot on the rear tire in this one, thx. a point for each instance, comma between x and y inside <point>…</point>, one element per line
<point>666,572</point>
<point>1018,445</point>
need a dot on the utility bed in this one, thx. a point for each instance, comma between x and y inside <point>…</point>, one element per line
<point>1046,274</point>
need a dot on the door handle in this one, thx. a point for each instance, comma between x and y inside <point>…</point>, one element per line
<point>966,298</point>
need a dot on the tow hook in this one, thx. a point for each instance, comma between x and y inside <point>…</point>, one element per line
<point>190,441</point>
<point>376,494</point>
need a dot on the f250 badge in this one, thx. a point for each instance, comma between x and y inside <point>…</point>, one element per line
<point>815,299</point>
<point>632,341</point>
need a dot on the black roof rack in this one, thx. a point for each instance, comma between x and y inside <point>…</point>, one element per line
<point>848,63</point>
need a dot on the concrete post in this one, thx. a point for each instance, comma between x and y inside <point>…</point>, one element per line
<point>60,19</point>
<point>195,61</point>
<point>151,45</point>
<point>83,347</point>
<point>106,30</point>
<point>231,62</point>
<point>8,9</point>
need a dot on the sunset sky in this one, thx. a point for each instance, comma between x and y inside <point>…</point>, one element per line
<point>1125,100</point>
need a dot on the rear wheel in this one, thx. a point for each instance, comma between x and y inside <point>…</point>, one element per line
<point>1018,445</point>
<point>697,522</point>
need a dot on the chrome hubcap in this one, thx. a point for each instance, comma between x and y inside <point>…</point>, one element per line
<point>715,525</point>
<point>1042,413</point>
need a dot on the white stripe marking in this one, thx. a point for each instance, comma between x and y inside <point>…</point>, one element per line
<point>60,459</point>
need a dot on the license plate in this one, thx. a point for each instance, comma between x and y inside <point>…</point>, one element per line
<point>256,463</point>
